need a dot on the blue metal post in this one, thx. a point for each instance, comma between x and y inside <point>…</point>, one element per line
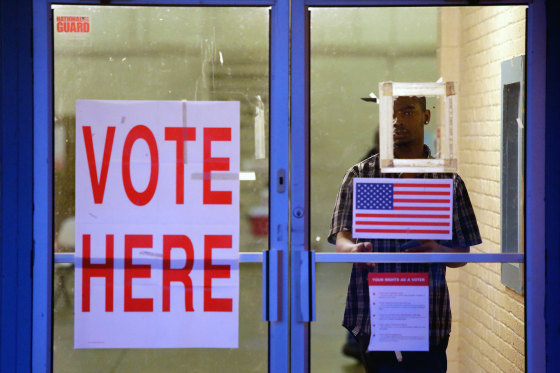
<point>535,179</point>
<point>279,331</point>
<point>16,183</point>
<point>552,167</point>
<point>42,186</point>
<point>299,183</point>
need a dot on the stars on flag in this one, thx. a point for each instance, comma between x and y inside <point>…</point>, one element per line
<point>377,196</point>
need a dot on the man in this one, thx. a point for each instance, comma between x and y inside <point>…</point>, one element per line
<point>409,118</point>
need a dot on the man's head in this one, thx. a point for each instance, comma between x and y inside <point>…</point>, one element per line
<point>409,118</point>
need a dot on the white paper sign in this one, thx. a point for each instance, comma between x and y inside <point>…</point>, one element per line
<point>157,224</point>
<point>399,312</point>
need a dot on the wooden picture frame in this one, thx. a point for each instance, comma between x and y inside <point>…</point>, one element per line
<point>447,162</point>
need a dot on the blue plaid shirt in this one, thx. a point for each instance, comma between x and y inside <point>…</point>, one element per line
<point>465,234</point>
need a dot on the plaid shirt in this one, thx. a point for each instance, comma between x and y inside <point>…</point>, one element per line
<point>465,233</point>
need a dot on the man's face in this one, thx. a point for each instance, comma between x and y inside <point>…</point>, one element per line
<point>409,120</point>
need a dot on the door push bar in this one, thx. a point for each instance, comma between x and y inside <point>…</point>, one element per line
<point>305,267</point>
<point>272,285</point>
<point>306,296</point>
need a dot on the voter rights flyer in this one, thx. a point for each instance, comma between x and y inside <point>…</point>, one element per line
<point>399,311</point>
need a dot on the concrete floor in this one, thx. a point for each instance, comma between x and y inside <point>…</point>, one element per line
<point>327,336</point>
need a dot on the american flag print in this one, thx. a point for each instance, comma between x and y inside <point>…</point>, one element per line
<point>403,208</point>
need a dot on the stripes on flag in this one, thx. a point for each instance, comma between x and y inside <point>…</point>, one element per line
<point>403,208</point>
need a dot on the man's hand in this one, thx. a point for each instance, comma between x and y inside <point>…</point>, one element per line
<point>346,244</point>
<point>431,246</point>
<point>362,247</point>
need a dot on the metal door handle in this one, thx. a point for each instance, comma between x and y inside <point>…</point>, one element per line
<point>306,294</point>
<point>272,285</point>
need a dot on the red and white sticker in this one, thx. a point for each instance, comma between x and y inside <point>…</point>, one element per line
<point>73,24</point>
<point>399,311</point>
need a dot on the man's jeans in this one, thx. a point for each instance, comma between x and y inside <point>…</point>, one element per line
<point>433,361</point>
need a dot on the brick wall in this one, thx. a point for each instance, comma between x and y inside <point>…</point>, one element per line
<point>488,329</point>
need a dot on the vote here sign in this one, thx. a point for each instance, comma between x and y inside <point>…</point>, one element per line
<point>157,224</point>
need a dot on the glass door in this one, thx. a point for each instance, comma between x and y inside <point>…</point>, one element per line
<point>223,52</point>
<point>345,53</point>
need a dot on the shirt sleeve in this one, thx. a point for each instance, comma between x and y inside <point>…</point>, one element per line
<point>465,227</point>
<point>342,214</point>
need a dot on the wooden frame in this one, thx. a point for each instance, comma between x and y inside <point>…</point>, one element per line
<point>447,162</point>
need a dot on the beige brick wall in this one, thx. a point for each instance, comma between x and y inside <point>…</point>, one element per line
<point>488,328</point>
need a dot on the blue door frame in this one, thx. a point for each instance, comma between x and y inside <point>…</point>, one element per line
<point>26,180</point>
